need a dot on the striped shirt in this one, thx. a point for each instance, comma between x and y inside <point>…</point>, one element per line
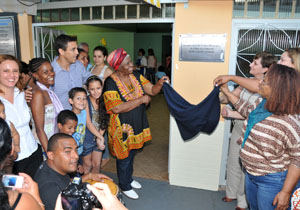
<point>273,143</point>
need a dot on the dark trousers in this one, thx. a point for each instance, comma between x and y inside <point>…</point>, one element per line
<point>150,75</point>
<point>125,171</point>
<point>29,165</point>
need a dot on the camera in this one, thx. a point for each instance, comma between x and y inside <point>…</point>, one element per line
<point>78,196</point>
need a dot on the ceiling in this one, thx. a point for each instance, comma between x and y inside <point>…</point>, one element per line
<point>141,27</point>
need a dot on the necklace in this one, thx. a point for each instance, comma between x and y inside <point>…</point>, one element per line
<point>131,90</point>
<point>129,87</point>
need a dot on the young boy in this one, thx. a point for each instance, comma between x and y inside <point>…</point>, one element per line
<point>16,142</point>
<point>78,100</point>
<point>67,122</point>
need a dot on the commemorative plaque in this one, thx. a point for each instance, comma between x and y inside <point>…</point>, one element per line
<point>9,34</point>
<point>202,47</point>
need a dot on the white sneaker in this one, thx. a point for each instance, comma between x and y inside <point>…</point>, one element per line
<point>131,194</point>
<point>134,184</point>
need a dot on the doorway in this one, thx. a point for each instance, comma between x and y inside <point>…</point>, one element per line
<point>152,162</point>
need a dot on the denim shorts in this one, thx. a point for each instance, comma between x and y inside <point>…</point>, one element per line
<point>89,144</point>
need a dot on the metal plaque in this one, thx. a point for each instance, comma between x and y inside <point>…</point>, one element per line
<point>8,38</point>
<point>202,47</point>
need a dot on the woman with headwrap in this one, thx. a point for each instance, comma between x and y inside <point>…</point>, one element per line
<point>45,105</point>
<point>126,94</point>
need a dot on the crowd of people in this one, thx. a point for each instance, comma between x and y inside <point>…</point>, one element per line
<point>263,167</point>
<point>59,120</point>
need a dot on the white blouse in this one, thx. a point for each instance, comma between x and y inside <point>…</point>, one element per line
<point>18,114</point>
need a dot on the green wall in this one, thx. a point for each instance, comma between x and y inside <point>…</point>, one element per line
<point>149,40</point>
<point>115,38</point>
<point>93,34</point>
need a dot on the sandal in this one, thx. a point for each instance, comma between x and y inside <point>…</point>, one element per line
<point>239,208</point>
<point>226,199</point>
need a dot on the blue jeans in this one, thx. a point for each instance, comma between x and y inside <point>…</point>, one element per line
<point>261,190</point>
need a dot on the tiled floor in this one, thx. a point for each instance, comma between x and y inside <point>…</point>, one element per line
<point>160,195</point>
<point>152,162</point>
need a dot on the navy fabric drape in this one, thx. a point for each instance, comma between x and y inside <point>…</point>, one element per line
<point>192,119</point>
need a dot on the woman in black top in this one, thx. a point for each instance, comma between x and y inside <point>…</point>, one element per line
<point>26,197</point>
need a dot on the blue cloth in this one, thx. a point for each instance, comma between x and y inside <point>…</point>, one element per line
<point>79,135</point>
<point>261,190</point>
<point>89,66</point>
<point>160,74</point>
<point>192,119</point>
<point>65,80</point>
<point>257,115</point>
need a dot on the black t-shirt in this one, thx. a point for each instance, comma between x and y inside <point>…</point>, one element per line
<point>50,184</point>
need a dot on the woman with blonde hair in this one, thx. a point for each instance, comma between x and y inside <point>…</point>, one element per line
<point>291,58</point>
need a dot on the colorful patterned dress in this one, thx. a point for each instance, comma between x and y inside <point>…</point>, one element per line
<point>129,130</point>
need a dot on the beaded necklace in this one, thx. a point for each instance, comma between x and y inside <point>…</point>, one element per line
<point>129,91</point>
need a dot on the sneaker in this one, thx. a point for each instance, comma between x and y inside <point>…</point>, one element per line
<point>134,184</point>
<point>131,194</point>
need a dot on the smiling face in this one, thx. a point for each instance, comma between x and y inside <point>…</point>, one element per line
<point>95,89</point>
<point>71,52</point>
<point>286,60</point>
<point>64,157</point>
<point>9,74</point>
<point>99,58</point>
<point>126,66</point>
<point>45,74</point>
<point>68,128</point>
<point>78,102</point>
